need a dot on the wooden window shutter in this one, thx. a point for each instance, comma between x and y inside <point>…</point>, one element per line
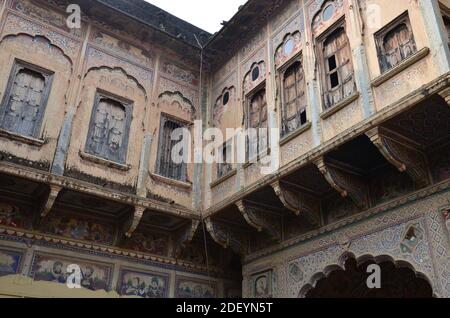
<point>25,100</point>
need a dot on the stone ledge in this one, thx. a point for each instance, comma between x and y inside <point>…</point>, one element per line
<point>342,104</point>
<point>295,133</point>
<point>21,138</point>
<point>400,67</point>
<point>229,175</point>
<point>172,182</point>
<point>105,162</point>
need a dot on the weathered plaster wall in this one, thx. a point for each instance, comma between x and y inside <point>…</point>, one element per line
<point>374,93</point>
<point>98,57</point>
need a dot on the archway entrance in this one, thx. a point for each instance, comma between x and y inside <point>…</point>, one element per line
<point>351,282</point>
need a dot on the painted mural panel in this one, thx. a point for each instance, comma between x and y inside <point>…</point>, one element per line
<point>10,262</point>
<point>80,228</point>
<point>193,288</point>
<point>151,243</point>
<point>140,284</point>
<point>262,285</point>
<point>54,269</point>
<point>13,216</point>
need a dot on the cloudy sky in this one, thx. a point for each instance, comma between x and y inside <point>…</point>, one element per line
<point>206,14</point>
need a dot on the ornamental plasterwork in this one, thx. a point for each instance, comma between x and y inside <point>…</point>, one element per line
<point>122,49</point>
<point>381,235</point>
<point>296,147</point>
<point>342,120</point>
<point>253,43</point>
<point>39,45</point>
<point>284,14</point>
<point>226,69</point>
<point>323,13</point>
<point>249,81</point>
<point>297,24</point>
<point>290,46</point>
<point>15,25</point>
<point>45,15</point>
<point>168,85</point>
<point>377,222</point>
<point>176,98</point>
<point>177,73</point>
<point>229,81</point>
<point>120,80</point>
<point>220,107</point>
<point>97,58</point>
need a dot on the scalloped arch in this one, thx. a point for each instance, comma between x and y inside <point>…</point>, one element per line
<point>121,70</point>
<point>326,272</point>
<point>16,35</point>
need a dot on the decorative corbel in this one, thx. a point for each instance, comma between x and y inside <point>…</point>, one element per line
<point>135,220</point>
<point>261,219</point>
<point>346,182</point>
<point>50,200</point>
<point>401,153</point>
<point>227,236</point>
<point>185,235</point>
<point>445,94</point>
<point>298,202</point>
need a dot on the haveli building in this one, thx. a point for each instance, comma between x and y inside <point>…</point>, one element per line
<point>359,89</point>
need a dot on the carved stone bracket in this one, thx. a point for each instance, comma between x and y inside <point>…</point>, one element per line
<point>184,236</point>
<point>298,202</point>
<point>401,153</point>
<point>445,94</point>
<point>50,200</point>
<point>260,219</point>
<point>134,221</point>
<point>348,184</point>
<point>227,236</point>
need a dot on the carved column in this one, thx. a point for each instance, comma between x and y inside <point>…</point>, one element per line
<point>401,153</point>
<point>298,202</point>
<point>260,219</point>
<point>346,182</point>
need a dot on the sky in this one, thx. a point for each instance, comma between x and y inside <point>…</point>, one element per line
<point>205,14</point>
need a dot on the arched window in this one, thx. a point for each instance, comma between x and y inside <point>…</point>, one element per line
<point>257,124</point>
<point>167,166</point>
<point>294,98</point>
<point>25,100</point>
<point>338,75</point>
<point>108,132</point>
<point>395,43</point>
